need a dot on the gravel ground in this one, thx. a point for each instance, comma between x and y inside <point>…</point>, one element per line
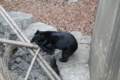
<point>64,15</point>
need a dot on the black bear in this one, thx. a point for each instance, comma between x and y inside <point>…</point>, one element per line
<point>50,40</point>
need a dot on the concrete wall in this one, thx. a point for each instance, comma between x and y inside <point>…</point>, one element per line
<point>105,45</point>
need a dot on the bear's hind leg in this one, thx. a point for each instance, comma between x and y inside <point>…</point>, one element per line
<point>64,58</point>
<point>65,55</point>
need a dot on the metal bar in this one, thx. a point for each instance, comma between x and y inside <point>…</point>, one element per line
<point>18,43</point>
<point>31,65</point>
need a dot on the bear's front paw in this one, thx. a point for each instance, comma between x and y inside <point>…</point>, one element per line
<point>62,60</point>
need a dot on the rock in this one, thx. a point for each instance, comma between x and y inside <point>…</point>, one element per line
<point>34,73</point>
<point>75,72</point>
<point>29,32</point>
<point>30,78</point>
<point>14,66</point>
<point>27,58</point>
<point>23,65</point>
<point>36,65</point>
<point>39,70</point>
<point>18,60</point>
<point>85,40</point>
<point>20,78</point>
<point>41,77</point>
<point>23,20</point>
<point>73,69</point>
<point>13,75</point>
<point>19,71</point>
<point>82,54</point>
<point>22,51</point>
<point>80,38</point>
<point>77,35</point>
<point>12,61</point>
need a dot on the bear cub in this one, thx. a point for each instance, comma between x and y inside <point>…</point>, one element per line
<point>50,40</point>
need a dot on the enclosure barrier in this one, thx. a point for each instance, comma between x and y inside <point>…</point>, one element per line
<point>31,65</point>
<point>105,45</point>
<point>18,43</point>
<point>49,71</point>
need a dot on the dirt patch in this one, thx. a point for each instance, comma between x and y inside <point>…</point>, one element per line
<point>62,14</point>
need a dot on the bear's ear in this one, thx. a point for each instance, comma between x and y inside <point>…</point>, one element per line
<point>37,32</point>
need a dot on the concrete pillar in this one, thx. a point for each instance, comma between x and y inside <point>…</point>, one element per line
<point>105,45</point>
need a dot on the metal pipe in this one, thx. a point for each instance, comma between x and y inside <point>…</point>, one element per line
<point>18,43</point>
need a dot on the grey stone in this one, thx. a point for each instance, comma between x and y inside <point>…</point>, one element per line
<point>39,70</point>
<point>30,78</point>
<point>19,71</point>
<point>23,20</point>
<point>80,38</point>
<point>23,65</point>
<point>22,51</point>
<point>34,73</point>
<point>13,75</point>
<point>14,66</point>
<point>29,32</point>
<point>77,35</point>
<point>41,77</point>
<point>81,55</point>
<point>28,58</point>
<point>12,61</point>
<point>85,40</point>
<point>75,72</point>
<point>20,78</point>
<point>36,65</point>
<point>18,59</point>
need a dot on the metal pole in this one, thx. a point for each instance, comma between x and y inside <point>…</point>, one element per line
<point>18,43</point>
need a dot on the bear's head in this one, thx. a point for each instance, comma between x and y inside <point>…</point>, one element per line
<point>37,38</point>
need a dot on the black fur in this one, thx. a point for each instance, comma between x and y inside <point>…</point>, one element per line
<point>50,40</point>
